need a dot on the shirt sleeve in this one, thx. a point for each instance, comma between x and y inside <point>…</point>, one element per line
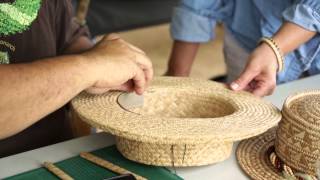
<point>68,30</point>
<point>194,20</point>
<point>305,13</point>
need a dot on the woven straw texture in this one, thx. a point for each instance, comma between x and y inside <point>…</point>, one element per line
<point>298,136</point>
<point>253,159</point>
<point>296,140</point>
<point>174,155</point>
<point>183,122</point>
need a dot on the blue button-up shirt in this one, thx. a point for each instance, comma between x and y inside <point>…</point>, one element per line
<point>248,21</point>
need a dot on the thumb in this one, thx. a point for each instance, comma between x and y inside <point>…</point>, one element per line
<point>244,79</point>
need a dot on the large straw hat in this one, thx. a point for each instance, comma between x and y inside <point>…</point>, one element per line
<point>183,122</point>
<point>291,150</point>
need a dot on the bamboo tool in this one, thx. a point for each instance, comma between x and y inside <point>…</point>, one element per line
<point>56,171</point>
<point>108,165</point>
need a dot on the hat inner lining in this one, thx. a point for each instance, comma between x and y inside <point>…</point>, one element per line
<point>184,104</point>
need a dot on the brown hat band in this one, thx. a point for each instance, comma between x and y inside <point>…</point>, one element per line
<point>285,169</point>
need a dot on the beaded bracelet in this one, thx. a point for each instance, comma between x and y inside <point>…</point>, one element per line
<point>273,45</point>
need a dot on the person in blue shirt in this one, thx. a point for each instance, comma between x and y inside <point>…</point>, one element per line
<point>294,26</point>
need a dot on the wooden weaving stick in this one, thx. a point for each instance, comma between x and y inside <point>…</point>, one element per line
<point>56,171</point>
<point>108,165</point>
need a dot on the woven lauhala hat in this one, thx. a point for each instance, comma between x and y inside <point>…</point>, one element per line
<point>293,149</point>
<point>183,122</point>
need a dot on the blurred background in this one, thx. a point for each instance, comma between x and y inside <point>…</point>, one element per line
<point>146,23</point>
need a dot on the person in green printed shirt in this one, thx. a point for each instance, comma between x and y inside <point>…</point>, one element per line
<point>47,59</point>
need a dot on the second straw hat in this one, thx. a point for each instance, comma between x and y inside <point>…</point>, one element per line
<point>183,122</point>
<point>293,149</point>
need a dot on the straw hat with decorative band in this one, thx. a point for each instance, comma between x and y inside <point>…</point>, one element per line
<point>183,122</point>
<point>290,151</point>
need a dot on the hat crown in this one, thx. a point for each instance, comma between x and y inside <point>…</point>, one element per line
<point>298,135</point>
<point>305,109</point>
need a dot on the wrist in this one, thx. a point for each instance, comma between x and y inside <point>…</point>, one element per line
<point>276,51</point>
<point>281,44</point>
<point>267,56</point>
<point>89,68</point>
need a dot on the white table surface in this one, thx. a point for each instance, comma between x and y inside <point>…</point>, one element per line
<point>228,169</point>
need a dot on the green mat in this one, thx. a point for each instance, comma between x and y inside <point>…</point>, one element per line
<point>79,168</point>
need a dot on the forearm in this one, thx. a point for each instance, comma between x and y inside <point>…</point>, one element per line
<point>182,57</point>
<point>290,36</point>
<point>31,91</point>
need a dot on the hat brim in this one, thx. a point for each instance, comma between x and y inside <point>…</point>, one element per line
<point>252,156</point>
<point>251,116</point>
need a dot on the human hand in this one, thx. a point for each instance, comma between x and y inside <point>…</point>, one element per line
<point>118,65</point>
<point>259,76</point>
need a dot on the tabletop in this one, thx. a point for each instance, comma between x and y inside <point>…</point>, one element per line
<point>228,169</point>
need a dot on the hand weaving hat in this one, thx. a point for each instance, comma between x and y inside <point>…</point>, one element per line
<point>183,122</point>
<point>290,151</point>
